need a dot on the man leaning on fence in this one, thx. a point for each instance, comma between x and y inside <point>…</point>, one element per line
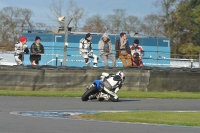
<point>20,49</point>
<point>36,50</point>
<point>86,50</point>
<point>105,49</point>
<point>123,50</point>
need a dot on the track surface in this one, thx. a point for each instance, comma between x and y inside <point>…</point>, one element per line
<point>10,123</point>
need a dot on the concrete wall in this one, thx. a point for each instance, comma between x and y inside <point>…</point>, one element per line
<point>64,78</point>
<point>74,78</point>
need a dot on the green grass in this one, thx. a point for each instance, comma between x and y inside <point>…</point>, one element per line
<point>163,95</point>
<point>169,118</point>
<point>41,93</point>
<point>121,94</point>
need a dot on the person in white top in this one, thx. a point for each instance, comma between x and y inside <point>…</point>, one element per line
<point>86,50</point>
<point>20,49</point>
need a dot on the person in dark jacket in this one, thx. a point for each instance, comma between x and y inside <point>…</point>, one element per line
<point>123,50</point>
<point>36,50</point>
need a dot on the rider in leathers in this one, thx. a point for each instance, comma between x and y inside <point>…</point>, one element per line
<point>112,84</point>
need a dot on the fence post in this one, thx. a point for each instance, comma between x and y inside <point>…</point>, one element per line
<point>157,51</point>
<point>56,59</point>
<point>199,59</point>
<point>66,41</point>
<point>191,61</point>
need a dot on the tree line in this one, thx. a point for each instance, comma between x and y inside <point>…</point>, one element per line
<point>177,20</point>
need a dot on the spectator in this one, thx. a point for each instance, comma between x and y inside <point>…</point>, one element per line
<point>105,49</point>
<point>136,52</point>
<point>123,50</point>
<point>20,49</point>
<point>135,48</point>
<point>137,60</point>
<point>86,50</point>
<point>36,50</point>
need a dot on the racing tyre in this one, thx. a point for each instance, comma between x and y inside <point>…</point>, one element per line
<point>89,92</point>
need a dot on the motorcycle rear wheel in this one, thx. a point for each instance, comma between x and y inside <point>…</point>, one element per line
<point>89,92</point>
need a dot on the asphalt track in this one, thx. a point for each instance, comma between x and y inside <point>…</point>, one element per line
<point>10,123</point>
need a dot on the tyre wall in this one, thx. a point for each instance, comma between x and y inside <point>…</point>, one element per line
<point>73,78</point>
<point>64,78</point>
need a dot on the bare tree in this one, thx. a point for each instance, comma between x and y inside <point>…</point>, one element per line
<point>56,8</point>
<point>94,24</point>
<point>115,21</point>
<point>40,25</point>
<point>12,22</point>
<point>152,26</point>
<point>167,9</point>
<point>76,12</point>
<point>25,18</point>
<point>72,10</point>
<point>132,24</point>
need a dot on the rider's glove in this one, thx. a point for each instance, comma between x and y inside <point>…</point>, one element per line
<point>90,53</point>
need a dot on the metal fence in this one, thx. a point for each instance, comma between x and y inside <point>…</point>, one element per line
<point>157,50</point>
<point>53,56</point>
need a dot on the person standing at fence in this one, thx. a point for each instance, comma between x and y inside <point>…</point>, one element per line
<point>123,50</point>
<point>20,49</point>
<point>36,50</point>
<point>105,50</point>
<point>86,50</point>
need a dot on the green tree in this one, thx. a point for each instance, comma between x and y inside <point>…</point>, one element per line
<point>189,50</point>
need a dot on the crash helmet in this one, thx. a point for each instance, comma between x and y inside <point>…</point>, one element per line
<point>121,74</point>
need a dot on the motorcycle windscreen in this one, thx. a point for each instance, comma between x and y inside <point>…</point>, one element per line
<point>117,78</point>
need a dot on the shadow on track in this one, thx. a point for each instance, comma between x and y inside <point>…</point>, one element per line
<point>120,100</point>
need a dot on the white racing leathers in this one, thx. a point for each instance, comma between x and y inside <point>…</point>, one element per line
<point>20,49</point>
<point>112,84</point>
<point>87,52</point>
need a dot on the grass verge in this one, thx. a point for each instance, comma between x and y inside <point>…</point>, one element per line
<point>169,118</point>
<point>41,93</point>
<point>121,94</point>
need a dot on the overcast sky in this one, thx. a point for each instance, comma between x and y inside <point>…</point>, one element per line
<point>40,8</point>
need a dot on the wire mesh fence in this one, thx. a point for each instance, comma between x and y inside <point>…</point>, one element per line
<point>156,50</point>
<point>53,56</point>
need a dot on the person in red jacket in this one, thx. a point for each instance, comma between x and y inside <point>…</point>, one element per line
<point>136,53</point>
<point>135,48</point>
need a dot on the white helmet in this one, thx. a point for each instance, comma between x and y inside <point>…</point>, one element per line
<point>122,75</point>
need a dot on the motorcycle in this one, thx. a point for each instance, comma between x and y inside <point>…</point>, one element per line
<point>96,91</point>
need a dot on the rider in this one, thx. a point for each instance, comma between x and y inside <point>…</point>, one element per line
<point>112,83</point>
<point>20,49</point>
<point>86,50</point>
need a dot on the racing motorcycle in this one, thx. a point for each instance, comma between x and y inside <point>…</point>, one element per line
<point>96,91</point>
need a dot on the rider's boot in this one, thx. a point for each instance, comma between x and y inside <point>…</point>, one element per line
<point>116,90</point>
<point>113,96</point>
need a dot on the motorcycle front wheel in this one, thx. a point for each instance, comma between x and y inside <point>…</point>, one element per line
<point>89,92</point>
